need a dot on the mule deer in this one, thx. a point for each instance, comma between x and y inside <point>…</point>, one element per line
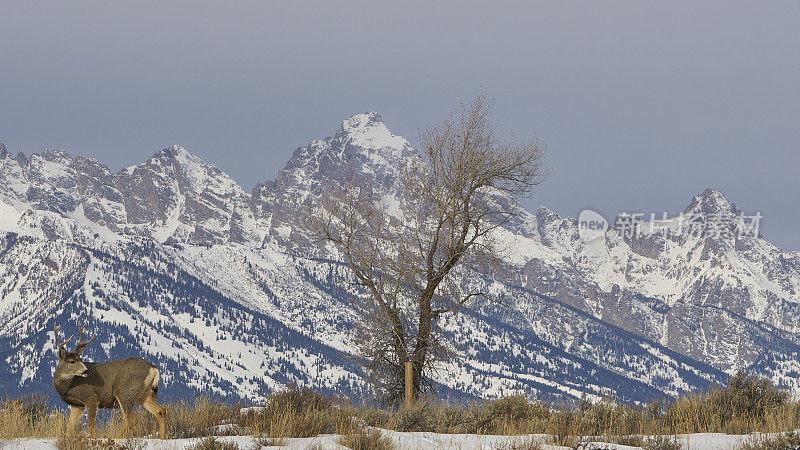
<point>123,382</point>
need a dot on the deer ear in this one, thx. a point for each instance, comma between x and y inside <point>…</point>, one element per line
<point>79,349</point>
<point>62,354</point>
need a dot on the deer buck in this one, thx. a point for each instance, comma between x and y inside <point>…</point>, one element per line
<point>123,382</point>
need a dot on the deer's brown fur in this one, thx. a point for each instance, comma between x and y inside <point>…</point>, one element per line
<point>122,382</point>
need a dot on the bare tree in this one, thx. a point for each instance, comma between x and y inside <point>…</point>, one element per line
<point>404,260</point>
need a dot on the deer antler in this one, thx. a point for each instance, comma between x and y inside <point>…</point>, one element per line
<point>55,336</point>
<point>80,337</point>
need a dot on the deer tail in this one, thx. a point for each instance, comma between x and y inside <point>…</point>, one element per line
<point>155,382</point>
<point>152,380</point>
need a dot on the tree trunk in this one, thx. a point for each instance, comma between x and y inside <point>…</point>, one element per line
<point>424,329</point>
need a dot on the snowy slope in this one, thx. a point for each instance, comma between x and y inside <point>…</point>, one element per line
<point>225,290</point>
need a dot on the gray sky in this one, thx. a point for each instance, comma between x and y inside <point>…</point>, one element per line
<point>641,104</point>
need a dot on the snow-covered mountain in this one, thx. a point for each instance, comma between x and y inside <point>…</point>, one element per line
<point>226,291</point>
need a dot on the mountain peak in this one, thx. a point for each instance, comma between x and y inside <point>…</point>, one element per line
<point>177,154</point>
<point>56,155</point>
<point>174,151</point>
<point>3,151</point>
<point>360,121</point>
<point>711,201</point>
<point>368,131</point>
<point>546,213</point>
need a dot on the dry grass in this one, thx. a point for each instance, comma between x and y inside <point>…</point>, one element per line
<point>295,413</point>
<point>783,441</point>
<point>271,442</point>
<point>30,416</point>
<point>747,405</point>
<point>526,443</point>
<point>198,418</point>
<point>84,443</point>
<point>361,438</point>
<point>212,443</point>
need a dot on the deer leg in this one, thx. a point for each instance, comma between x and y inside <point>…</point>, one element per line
<point>91,418</point>
<point>128,415</point>
<point>74,415</point>
<point>132,419</point>
<point>160,412</point>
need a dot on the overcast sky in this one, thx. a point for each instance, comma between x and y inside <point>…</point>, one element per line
<point>641,105</point>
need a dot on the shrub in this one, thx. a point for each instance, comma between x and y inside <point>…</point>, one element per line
<point>34,407</point>
<point>748,404</point>
<point>563,427</point>
<point>661,443</point>
<point>28,417</point>
<point>211,443</point>
<point>417,417</point>
<point>751,396</point>
<point>293,413</point>
<point>784,441</point>
<point>366,439</point>
<point>514,415</point>
<point>192,419</point>
<point>84,443</point>
<point>270,442</point>
<point>521,444</point>
<point>74,443</point>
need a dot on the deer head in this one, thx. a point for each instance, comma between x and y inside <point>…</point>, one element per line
<point>70,364</point>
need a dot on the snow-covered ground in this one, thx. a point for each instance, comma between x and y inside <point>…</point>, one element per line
<point>423,441</point>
